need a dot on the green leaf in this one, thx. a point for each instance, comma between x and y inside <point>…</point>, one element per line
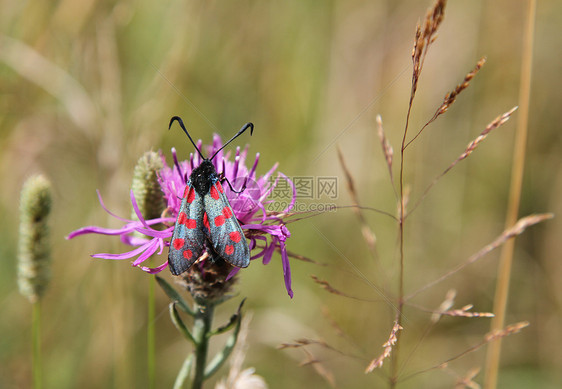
<point>221,357</point>
<point>233,320</point>
<point>184,373</point>
<point>176,319</point>
<point>174,296</point>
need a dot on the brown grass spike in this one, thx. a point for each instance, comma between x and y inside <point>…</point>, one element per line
<point>377,362</point>
<point>368,234</point>
<point>386,147</point>
<point>517,229</point>
<point>450,97</point>
<point>497,122</point>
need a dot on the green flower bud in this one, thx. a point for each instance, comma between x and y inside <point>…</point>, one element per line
<point>34,249</point>
<point>146,188</point>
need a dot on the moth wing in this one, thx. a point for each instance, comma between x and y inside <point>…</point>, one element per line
<point>223,230</point>
<point>188,239</point>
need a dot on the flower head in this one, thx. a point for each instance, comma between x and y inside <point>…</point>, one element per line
<point>266,230</point>
<point>34,252</point>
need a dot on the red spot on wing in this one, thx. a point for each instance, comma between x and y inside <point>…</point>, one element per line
<point>219,220</point>
<point>229,249</point>
<point>191,223</point>
<point>227,212</point>
<point>191,195</point>
<point>182,218</point>
<point>206,221</point>
<point>235,236</point>
<point>219,187</point>
<point>178,243</point>
<point>214,192</point>
<point>187,254</point>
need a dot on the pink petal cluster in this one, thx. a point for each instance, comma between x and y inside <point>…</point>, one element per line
<point>266,230</point>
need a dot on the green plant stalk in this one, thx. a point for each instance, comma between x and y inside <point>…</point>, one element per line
<point>150,335</point>
<point>36,344</point>
<point>506,257</point>
<point>201,328</point>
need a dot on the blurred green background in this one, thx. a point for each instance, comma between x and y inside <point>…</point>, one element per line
<point>87,87</point>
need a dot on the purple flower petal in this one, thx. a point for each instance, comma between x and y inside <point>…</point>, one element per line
<point>252,172</point>
<point>232,273</point>
<point>148,251</point>
<point>107,210</point>
<point>294,198</point>
<point>286,268</point>
<point>249,207</point>
<point>268,252</point>
<point>137,210</point>
<point>99,230</point>
<point>128,254</point>
<point>154,270</point>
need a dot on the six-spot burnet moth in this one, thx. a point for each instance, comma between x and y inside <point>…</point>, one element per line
<point>205,221</point>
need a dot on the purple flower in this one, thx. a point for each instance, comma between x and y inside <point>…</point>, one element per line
<point>266,230</point>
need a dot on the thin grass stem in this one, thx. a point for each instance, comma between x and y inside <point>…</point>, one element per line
<point>506,257</point>
<point>151,334</point>
<point>36,344</point>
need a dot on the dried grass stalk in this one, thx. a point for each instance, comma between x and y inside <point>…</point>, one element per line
<point>464,312</point>
<point>510,329</point>
<point>403,204</point>
<point>450,97</point>
<point>489,128</point>
<point>326,286</point>
<point>377,362</point>
<point>386,147</point>
<point>497,122</point>
<point>467,380</point>
<point>366,231</point>
<point>445,305</point>
<point>517,229</point>
<point>425,36</point>
<point>319,368</point>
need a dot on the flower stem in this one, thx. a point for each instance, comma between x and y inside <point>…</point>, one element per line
<point>201,328</point>
<point>150,336</point>
<point>36,344</point>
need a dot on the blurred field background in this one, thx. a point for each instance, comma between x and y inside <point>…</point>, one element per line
<point>87,87</point>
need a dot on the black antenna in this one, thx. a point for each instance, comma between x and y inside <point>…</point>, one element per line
<point>244,128</point>
<point>187,133</point>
